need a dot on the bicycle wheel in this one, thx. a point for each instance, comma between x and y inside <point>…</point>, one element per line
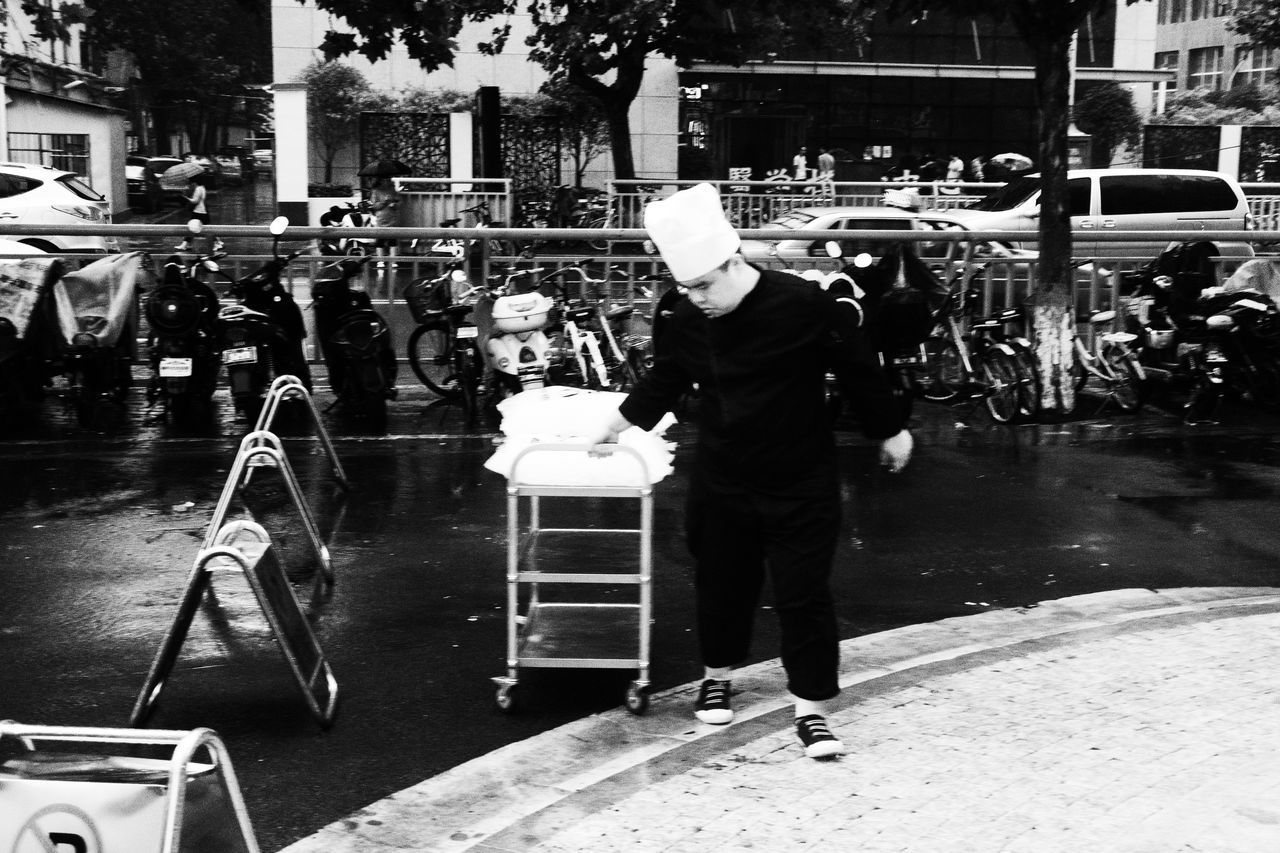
<point>944,376</point>
<point>430,356</point>
<point>1125,386</point>
<point>598,244</point>
<point>1000,378</point>
<point>1028,369</point>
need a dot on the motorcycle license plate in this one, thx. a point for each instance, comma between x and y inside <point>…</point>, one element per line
<point>175,368</point>
<point>464,332</point>
<point>240,355</point>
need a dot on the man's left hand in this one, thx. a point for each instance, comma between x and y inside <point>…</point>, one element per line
<point>895,451</point>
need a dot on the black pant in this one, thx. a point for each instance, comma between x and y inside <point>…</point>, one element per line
<point>736,535</point>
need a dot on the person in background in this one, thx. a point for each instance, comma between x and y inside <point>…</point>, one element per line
<point>826,165</point>
<point>764,492</point>
<point>197,200</point>
<point>978,168</point>
<point>384,202</point>
<point>800,164</point>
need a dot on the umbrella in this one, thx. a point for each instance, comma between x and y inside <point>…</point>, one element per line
<point>1012,162</point>
<point>181,173</point>
<point>384,168</point>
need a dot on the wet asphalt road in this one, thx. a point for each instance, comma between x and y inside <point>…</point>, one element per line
<point>98,533</point>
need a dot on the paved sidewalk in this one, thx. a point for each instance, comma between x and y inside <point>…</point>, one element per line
<point>1132,720</point>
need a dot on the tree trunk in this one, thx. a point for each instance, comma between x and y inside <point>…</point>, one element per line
<point>1051,302</point>
<point>618,116</point>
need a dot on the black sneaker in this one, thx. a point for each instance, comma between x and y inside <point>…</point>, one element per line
<point>817,738</point>
<point>713,703</point>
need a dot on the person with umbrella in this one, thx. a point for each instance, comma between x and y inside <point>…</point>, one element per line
<point>196,196</point>
<point>384,198</point>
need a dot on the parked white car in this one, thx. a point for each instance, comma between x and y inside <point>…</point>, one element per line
<point>1116,201</point>
<point>853,219</point>
<point>39,195</point>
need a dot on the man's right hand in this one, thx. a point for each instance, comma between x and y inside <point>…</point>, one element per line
<point>605,431</point>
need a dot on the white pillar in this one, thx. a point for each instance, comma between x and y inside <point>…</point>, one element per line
<point>461,149</point>
<point>292,157</point>
<point>4,121</point>
<point>1229,149</point>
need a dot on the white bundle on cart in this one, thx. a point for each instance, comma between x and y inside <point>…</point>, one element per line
<point>558,415</point>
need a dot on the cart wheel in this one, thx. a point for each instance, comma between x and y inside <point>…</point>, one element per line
<point>506,699</point>
<point>637,699</point>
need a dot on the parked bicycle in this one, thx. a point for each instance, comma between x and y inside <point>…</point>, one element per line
<point>596,347</point>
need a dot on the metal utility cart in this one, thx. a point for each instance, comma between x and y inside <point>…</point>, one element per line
<point>590,635</point>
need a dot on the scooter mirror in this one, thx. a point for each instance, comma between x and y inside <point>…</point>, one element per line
<point>278,225</point>
<point>862,260</point>
<point>195,226</point>
<point>458,275</point>
<point>833,250</point>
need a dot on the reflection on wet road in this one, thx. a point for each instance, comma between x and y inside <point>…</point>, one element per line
<point>98,534</point>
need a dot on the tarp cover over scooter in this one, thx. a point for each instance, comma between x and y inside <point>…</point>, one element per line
<point>98,298</point>
<point>23,283</point>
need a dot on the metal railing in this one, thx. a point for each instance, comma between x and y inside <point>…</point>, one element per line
<point>1004,281</point>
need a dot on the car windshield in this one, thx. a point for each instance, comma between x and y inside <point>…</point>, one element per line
<point>80,188</point>
<point>1009,196</point>
<point>793,219</point>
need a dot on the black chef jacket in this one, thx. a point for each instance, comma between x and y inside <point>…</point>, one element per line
<point>761,372</point>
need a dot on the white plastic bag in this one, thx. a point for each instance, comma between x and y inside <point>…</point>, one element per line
<point>557,415</point>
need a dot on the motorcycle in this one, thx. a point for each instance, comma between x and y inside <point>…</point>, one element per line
<point>1207,342</point>
<point>182,345</point>
<point>518,347</point>
<point>30,346</point>
<point>355,341</point>
<point>355,216</point>
<point>96,307</point>
<point>261,336</point>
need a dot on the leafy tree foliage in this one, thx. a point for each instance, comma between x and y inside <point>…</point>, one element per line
<point>336,95</point>
<point>1257,20</point>
<point>194,56</point>
<point>1107,113</point>
<point>600,46</point>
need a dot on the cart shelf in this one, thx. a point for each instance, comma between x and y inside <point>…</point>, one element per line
<point>575,635</point>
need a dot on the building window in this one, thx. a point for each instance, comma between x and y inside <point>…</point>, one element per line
<point>66,151</point>
<point>1167,61</point>
<point>1204,68</point>
<point>1177,11</point>
<point>1221,8</point>
<point>1254,66</point>
<point>1199,9</point>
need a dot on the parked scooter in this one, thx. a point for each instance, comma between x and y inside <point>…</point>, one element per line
<point>183,346</point>
<point>261,337</point>
<point>518,348</point>
<point>30,346</point>
<point>355,216</point>
<point>355,341</point>
<point>97,315</point>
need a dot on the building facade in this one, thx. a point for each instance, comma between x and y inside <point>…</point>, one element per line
<point>944,85</point>
<point>57,110</point>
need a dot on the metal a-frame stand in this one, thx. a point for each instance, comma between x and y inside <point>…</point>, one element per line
<point>245,546</point>
<point>88,802</point>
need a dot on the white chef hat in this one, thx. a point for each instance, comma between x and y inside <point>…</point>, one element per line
<point>691,232</point>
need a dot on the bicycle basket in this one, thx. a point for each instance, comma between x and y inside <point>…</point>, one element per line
<point>427,298</point>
